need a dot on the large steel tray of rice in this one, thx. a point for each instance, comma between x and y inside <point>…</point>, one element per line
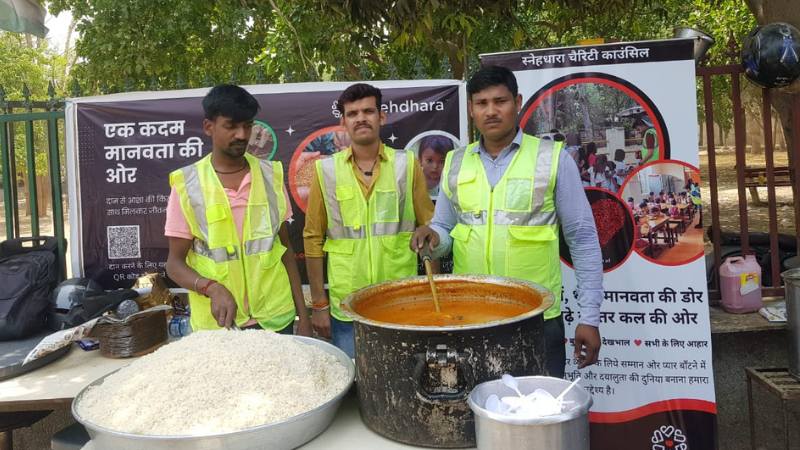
<point>214,390</point>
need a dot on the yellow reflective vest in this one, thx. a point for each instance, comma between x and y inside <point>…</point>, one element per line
<point>248,267</point>
<point>367,240</point>
<point>694,194</point>
<point>511,230</point>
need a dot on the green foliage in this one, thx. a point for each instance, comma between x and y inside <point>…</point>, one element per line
<point>728,22</point>
<point>134,41</point>
<point>33,66</point>
<point>23,64</point>
<point>127,45</point>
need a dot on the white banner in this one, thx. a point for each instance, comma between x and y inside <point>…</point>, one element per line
<point>628,115</point>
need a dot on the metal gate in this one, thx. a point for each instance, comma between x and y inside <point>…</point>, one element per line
<point>30,130</point>
<point>748,176</point>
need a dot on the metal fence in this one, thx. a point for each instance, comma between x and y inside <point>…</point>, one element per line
<point>21,119</point>
<point>750,176</point>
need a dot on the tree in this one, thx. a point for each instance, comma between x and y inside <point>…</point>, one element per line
<point>131,44</point>
<point>726,22</point>
<point>127,45</point>
<point>461,29</point>
<point>25,64</point>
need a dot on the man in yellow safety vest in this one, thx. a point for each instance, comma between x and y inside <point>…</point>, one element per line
<point>228,242</point>
<point>650,150</point>
<point>500,206</point>
<point>363,207</point>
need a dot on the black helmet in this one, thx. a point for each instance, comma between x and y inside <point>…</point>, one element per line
<point>771,55</point>
<point>78,300</point>
<point>70,293</point>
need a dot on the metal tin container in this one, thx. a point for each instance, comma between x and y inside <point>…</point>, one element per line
<point>413,381</point>
<point>791,280</point>
<point>566,431</point>
<point>287,434</point>
<point>702,41</point>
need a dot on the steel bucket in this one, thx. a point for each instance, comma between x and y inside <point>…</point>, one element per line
<point>791,281</point>
<point>566,431</point>
<point>702,41</point>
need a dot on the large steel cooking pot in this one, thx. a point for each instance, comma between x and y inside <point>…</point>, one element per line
<point>284,435</point>
<point>413,381</point>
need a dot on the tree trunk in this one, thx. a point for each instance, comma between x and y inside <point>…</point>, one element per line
<point>67,45</point>
<point>778,135</point>
<point>755,131</point>
<point>702,135</point>
<point>43,196</point>
<point>587,120</point>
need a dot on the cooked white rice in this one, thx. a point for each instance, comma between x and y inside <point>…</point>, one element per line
<point>215,382</point>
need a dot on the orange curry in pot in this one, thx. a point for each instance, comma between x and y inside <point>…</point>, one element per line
<point>460,305</point>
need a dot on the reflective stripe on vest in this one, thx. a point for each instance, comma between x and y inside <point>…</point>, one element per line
<point>510,229</point>
<point>336,227</point>
<point>257,223</point>
<point>367,239</point>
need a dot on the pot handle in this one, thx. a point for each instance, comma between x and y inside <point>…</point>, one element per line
<point>441,357</point>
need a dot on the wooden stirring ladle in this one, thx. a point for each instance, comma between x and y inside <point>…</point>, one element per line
<point>426,259</point>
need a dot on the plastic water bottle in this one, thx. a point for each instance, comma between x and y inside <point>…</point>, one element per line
<point>127,308</point>
<point>179,326</point>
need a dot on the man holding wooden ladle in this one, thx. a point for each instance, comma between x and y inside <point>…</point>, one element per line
<point>500,206</point>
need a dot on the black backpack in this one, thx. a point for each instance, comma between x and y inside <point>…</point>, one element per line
<point>28,275</point>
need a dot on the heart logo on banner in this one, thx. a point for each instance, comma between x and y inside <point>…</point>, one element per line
<point>667,437</point>
<point>667,430</point>
<point>638,342</point>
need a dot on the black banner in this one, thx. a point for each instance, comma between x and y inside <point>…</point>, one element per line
<point>128,144</point>
<point>618,53</point>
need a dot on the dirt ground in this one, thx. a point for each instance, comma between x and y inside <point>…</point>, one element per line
<point>757,214</point>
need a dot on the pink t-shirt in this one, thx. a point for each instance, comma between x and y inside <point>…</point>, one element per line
<point>176,225</point>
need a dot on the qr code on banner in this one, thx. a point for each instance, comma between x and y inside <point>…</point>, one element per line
<point>123,242</point>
